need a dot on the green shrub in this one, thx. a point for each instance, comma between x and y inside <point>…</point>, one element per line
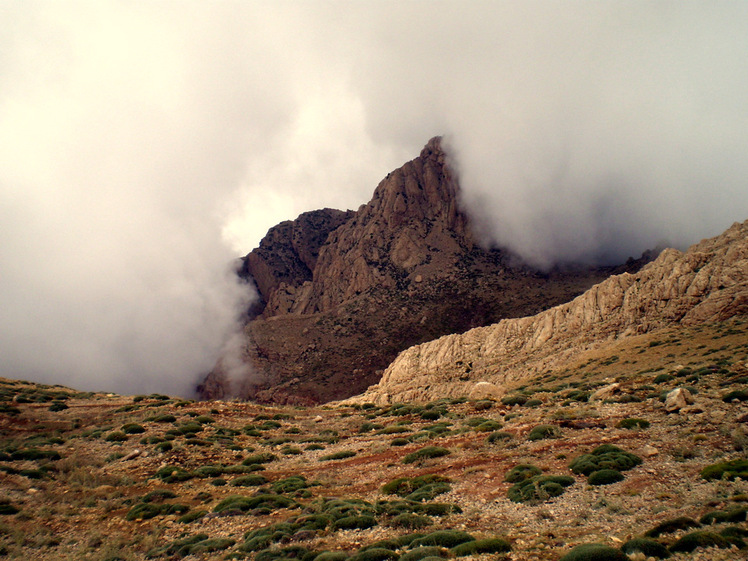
<point>291,484</point>
<point>478,547</point>
<point>488,426</point>
<point>173,474</point>
<point>375,554</point>
<point>595,552</point>
<point>342,455</point>
<point>670,526</point>
<point>179,548</point>
<point>262,501</point>
<point>726,470</point>
<point>542,432</point>
<point>736,395</point>
<point>208,471</point>
<point>146,511</point>
<point>7,509</point>
<point>422,552</point>
<point>57,406</point>
<point>191,516</point>
<point>354,523</point>
<point>695,540</point>
<point>633,423</point>
<point>498,436</point>
<point>514,400</point>
<point>404,486</point>
<point>539,488</point>
<point>164,446</point>
<point>483,405</point>
<point>662,378</point>
<point>399,442</point>
<point>133,428</point>
<point>439,509</point>
<point>645,546</point>
<point>35,454</point>
<point>261,458</point>
<point>424,453</point>
<point>720,516</point>
<point>166,418</point>
<point>606,456</point>
<point>533,403</point>
<point>158,496</point>
<point>116,436</point>
<point>254,480</point>
<point>443,538</point>
<point>522,472</point>
<point>605,477</point>
<point>332,556</point>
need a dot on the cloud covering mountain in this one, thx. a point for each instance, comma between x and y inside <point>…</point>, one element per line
<point>143,146</point>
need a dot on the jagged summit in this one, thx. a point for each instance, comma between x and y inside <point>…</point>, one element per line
<point>344,292</point>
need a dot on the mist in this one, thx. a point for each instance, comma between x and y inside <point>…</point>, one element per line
<point>145,146</point>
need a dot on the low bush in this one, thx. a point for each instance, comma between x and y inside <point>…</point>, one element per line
<point>443,538</point>
<point>514,400</point>
<point>375,554</point>
<point>261,458</point>
<point>633,423</point>
<point>720,516</point>
<point>539,488</point>
<point>646,547</point>
<point>522,472</point>
<point>116,436</point>
<point>425,453</point>
<point>342,455</point>
<point>191,516</point>
<point>254,480</point>
<point>422,552</point>
<point>670,526</point>
<point>726,470</point>
<point>479,547</point>
<point>736,395</point>
<point>410,521</point>
<point>354,523</point>
<point>173,474</point>
<point>332,556</point>
<point>595,552</point>
<point>263,501</point>
<point>606,456</point>
<point>696,540</point>
<point>133,428</point>
<point>542,432</point>
<point>605,477</point>
<point>499,436</point>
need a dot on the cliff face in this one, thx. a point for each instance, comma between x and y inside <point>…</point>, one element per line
<point>707,283</point>
<point>344,292</point>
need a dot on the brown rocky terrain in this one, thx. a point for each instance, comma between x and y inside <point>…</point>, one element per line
<point>709,282</point>
<point>105,477</point>
<point>342,293</point>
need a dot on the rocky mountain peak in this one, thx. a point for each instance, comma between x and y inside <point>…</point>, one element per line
<point>344,292</point>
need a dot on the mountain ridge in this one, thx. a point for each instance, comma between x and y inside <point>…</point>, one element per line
<point>708,282</point>
<point>343,292</point>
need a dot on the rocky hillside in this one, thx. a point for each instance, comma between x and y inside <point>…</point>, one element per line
<point>707,283</point>
<point>104,477</point>
<point>342,293</point>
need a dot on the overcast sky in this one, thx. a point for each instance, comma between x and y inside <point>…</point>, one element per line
<point>145,145</point>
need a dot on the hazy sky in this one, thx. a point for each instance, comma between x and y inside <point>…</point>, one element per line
<point>145,145</point>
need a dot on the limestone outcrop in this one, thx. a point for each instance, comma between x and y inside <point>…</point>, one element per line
<point>708,282</point>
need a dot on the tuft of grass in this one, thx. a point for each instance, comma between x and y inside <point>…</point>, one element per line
<point>542,432</point>
<point>595,552</point>
<point>342,455</point>
<point>425,453</point>
<point>633,423</point>
<point>726,470</point>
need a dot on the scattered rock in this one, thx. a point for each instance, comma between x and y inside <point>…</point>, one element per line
<point>677,399</point>
<point>606,392</point>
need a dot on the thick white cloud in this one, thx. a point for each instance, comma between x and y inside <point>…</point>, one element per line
<point>144,145</point>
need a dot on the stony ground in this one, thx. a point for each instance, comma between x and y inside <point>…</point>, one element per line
<point>106,477</point>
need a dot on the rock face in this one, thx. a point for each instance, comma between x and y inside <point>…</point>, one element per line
<point>344,292</point>
<point>709,282</point>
